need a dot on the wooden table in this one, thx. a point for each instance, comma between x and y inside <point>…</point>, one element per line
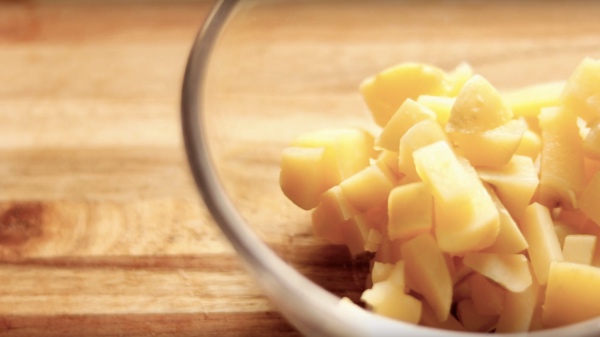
<point>102,232</point>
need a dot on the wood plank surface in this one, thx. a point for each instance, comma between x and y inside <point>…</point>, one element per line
<point>102,231</point>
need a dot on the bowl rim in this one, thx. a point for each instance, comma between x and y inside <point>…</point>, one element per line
<point>310,308</point>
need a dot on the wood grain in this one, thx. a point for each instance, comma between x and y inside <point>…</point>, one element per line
<point>102,232</point>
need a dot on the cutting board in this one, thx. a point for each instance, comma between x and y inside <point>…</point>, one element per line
<point>102,232</point>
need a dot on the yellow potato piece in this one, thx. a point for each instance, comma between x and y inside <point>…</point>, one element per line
<point>591,143</point>
<point>562,171</point>
<point>530,146</point>
<point>515,183</point>
<point>440,105</point>
<point>511,271</point>
<point>425,265</point>
<point>491,148</point>
<point>328,216</point>
<point>472,320</point>
<point>410,211</point>
<point>466,218</point>
<point>457,78</point>
<point>562,231</point>
<point>529,101</point>
<point>572,294</point>
<point>510,240</point>
<point>355,234</point>
<point>380,271</point>
<point>538,229</point>
<point>350,149</point>
<point>590,199</point>
<point>386,91</point>
<point>421,134</point>
<point>519,309</point>
<point>478,108</point>
<point>488,298</point>
<point>409,113</point>
<point>579,248</point>
<point>373,240</point>
<point>581,94</point>
<point>390,160</point>
<point>368,188</point>
<point>428,318</point>
<point>305,175</point>
<point>388,300</point>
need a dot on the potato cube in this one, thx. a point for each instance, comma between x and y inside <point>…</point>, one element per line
<point>591,142</point>
<point>529,101</point>
<point>349,148</point>
<point>356,233</point>
<point>428,318</point>
<point>390,161</point>
<point>562,171</point>
<point>515,183</point>
<point>457,79</point>
<point>368,188</point>
<point>421,134</point>
<point>440,105</point>
<point>373,240</point>
<point>510,240</point>
<point>305,175</point>
<point>425,265</point>
<point>579,248</point>
<point>572,294</point>
<point>466,218</point>
<point>410,211</point>
<point>472,320</point>
<point>386,91</point>
<point>491,148</point>
<point>511,271</point>
<point>330,214</point>
<point>538,229</point>
<point>519,310</point>
<point>590,199</point>
<point>478,108</point>
<point>380,271</point>
<point>409,113</point>
<point>581,94</point>
<point>488,298</point>
<point>388,300</point>
<point>530,146</point>
<point>562,231</point>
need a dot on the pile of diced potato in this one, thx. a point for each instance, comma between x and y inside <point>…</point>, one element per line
<point>482,208</point>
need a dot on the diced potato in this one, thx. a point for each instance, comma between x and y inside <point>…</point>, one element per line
<point>428,318</point>
<point>492,148</point>
<point>356,233</point>
<point>582,91</point>
<point>390,160</point>
<point>590,199</point>
<point>562,231</point>
<point>591,143</point>
<point>472,320</point>
<point>441,105</point>
<point>519,309</point>
<point>515,183</point>
<point>368,188</point>
<point>488,298</point>
<point>511,271</point>
<point>380,271</point>
<point>397,276</point>
<point>421,134</point>
<point>530,146</point>
<point>465,216</point>
<point>409,113</point>
<point>350,150</point>
<point>562,170</point>
<point>572,294</point>
<point>410,211</point>
<point>386,91</point>
<point>425,266</point>
<point>579,248</point>
<point>373,240</point>
<point>388,300</point>
<point>529,101</point>
<point>538,229</point>
<point>461,270</point>
<point>457,79</point>
<point>510,240</point>
<point>330,214</point>
<point>478,108</point>
<point>304,175</point>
